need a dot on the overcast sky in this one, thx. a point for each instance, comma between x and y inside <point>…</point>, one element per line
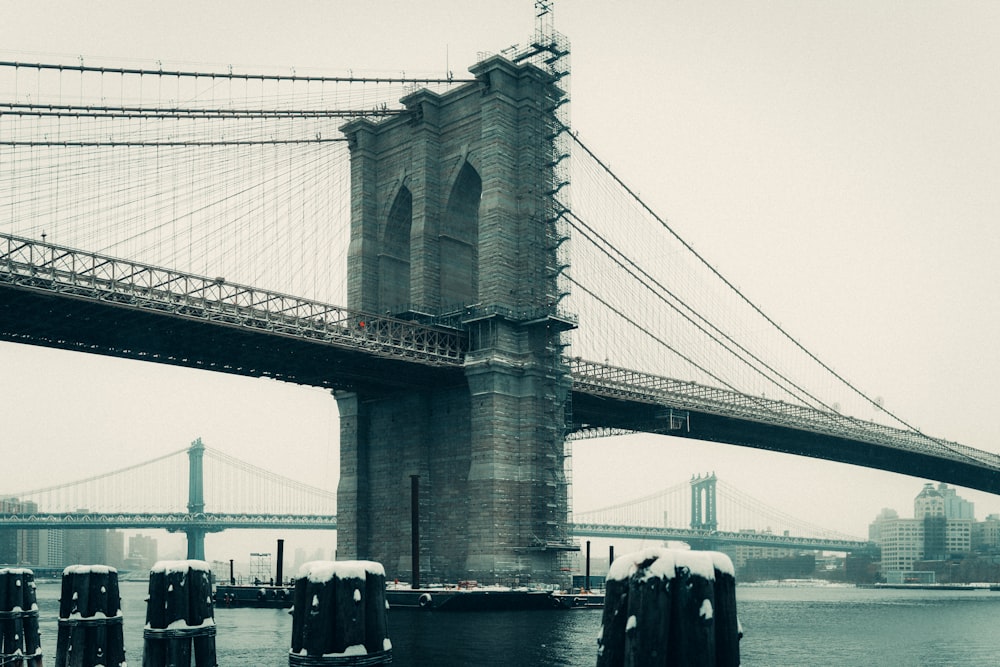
<point>839,161</point>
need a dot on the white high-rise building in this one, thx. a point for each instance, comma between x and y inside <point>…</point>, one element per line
<point>941,528</point>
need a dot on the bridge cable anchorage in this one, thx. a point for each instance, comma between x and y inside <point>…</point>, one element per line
<point>635,197</point>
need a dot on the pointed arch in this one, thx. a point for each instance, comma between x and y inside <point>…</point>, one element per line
<point>394,261</point>
<point>460,239</point>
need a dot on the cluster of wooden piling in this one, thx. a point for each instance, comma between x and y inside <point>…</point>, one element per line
<point>670,607</point>
<point>90,618</point>
<point>180,616</point>
<point>339,615</point>
<point>20,642</point>
<point>662,607</point>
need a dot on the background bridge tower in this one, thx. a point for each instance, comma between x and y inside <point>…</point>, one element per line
<point>453,222</point>
<point>703,502</point>
<point>196,499</point>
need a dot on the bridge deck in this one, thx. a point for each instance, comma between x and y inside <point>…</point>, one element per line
<point>59,297</point>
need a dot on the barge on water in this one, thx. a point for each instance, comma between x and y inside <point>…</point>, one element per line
<point>264,596</point>
<point>469,598</point>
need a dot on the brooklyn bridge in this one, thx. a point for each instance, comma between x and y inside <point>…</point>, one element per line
<point>447,256</point>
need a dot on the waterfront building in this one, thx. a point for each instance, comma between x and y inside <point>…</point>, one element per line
<point>986,534</point>
<point>902,543</point>
<point>741,554</point>
<point>875,527</point>
<point>941,528</point>
<point>91,545</point>
<point>51,547</point>
<point>114,549</point>
<point>18,547</point>
<point>142,552</point>
<point>956,507</point>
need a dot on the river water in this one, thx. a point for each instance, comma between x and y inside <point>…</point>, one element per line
<point>793,626</point>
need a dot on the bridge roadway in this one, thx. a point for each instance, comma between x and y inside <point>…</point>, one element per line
<point>717,538</point>
<point>170,521</point>
<point>214,522</point>
<point>59,297</point>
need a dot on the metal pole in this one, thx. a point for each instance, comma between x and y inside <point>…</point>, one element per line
<point>415,528</point>
<point>281,563</point>
<point>196,499</point>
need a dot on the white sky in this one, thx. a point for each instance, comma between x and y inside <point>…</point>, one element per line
<point>839,161</point>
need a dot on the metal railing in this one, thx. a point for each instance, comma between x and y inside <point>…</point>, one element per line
<point>684,534</point>
<point>615,382</point>
<point>42,266</point>
<point>171,521</point>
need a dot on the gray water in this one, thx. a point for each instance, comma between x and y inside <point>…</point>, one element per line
<point>800,626</point>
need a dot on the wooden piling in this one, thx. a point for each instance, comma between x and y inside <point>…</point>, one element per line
<point>180,617</point>
<point>668,607</point>
<point>339,615</point>
<point>90,618</point>
<point>20,641</point>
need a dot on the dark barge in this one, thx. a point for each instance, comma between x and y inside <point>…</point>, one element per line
<point>263,596</point>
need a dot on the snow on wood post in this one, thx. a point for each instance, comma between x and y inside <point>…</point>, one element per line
<point>179,614</point>
<point>339,615</point>
<point>90,618</point>
<point>670,607</point>
<point>20,642</point>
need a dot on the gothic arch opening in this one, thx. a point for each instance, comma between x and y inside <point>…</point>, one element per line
<point>394,260</point>
<point>460,240</point>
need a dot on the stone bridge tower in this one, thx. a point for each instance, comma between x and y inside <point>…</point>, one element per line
<point>703,502</point>
<point>454,222</point>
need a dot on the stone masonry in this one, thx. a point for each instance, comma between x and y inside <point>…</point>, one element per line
<point>452,221</point>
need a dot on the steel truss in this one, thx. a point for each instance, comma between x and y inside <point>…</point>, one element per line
<point>722,537</point>
<point>171,521</point>
<point>75,273</point>
<point>623,383</point>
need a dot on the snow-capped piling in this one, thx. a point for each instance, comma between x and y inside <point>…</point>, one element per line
<point>339,615</point>
<point>670,607</point>
<point>20,642</point>
<point>180,618</point>
<point>90,618</point>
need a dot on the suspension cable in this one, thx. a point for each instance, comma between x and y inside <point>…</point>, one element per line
<point>744,298</point>
<point>236,75</point>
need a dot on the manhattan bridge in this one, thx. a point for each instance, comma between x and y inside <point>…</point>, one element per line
<point>448,256</point>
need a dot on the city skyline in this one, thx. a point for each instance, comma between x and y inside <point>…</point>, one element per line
<point>836,162</point>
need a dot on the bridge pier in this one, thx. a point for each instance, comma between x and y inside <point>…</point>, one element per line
<point>196,499</point>
<point>452,220</point>
<point>703,497</point>
<point>195,543</point>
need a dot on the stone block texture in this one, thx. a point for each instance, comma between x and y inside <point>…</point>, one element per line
<point>449,221</point>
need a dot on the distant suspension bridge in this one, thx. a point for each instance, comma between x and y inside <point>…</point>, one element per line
<point>147,495</point>
<point>226,493</point>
